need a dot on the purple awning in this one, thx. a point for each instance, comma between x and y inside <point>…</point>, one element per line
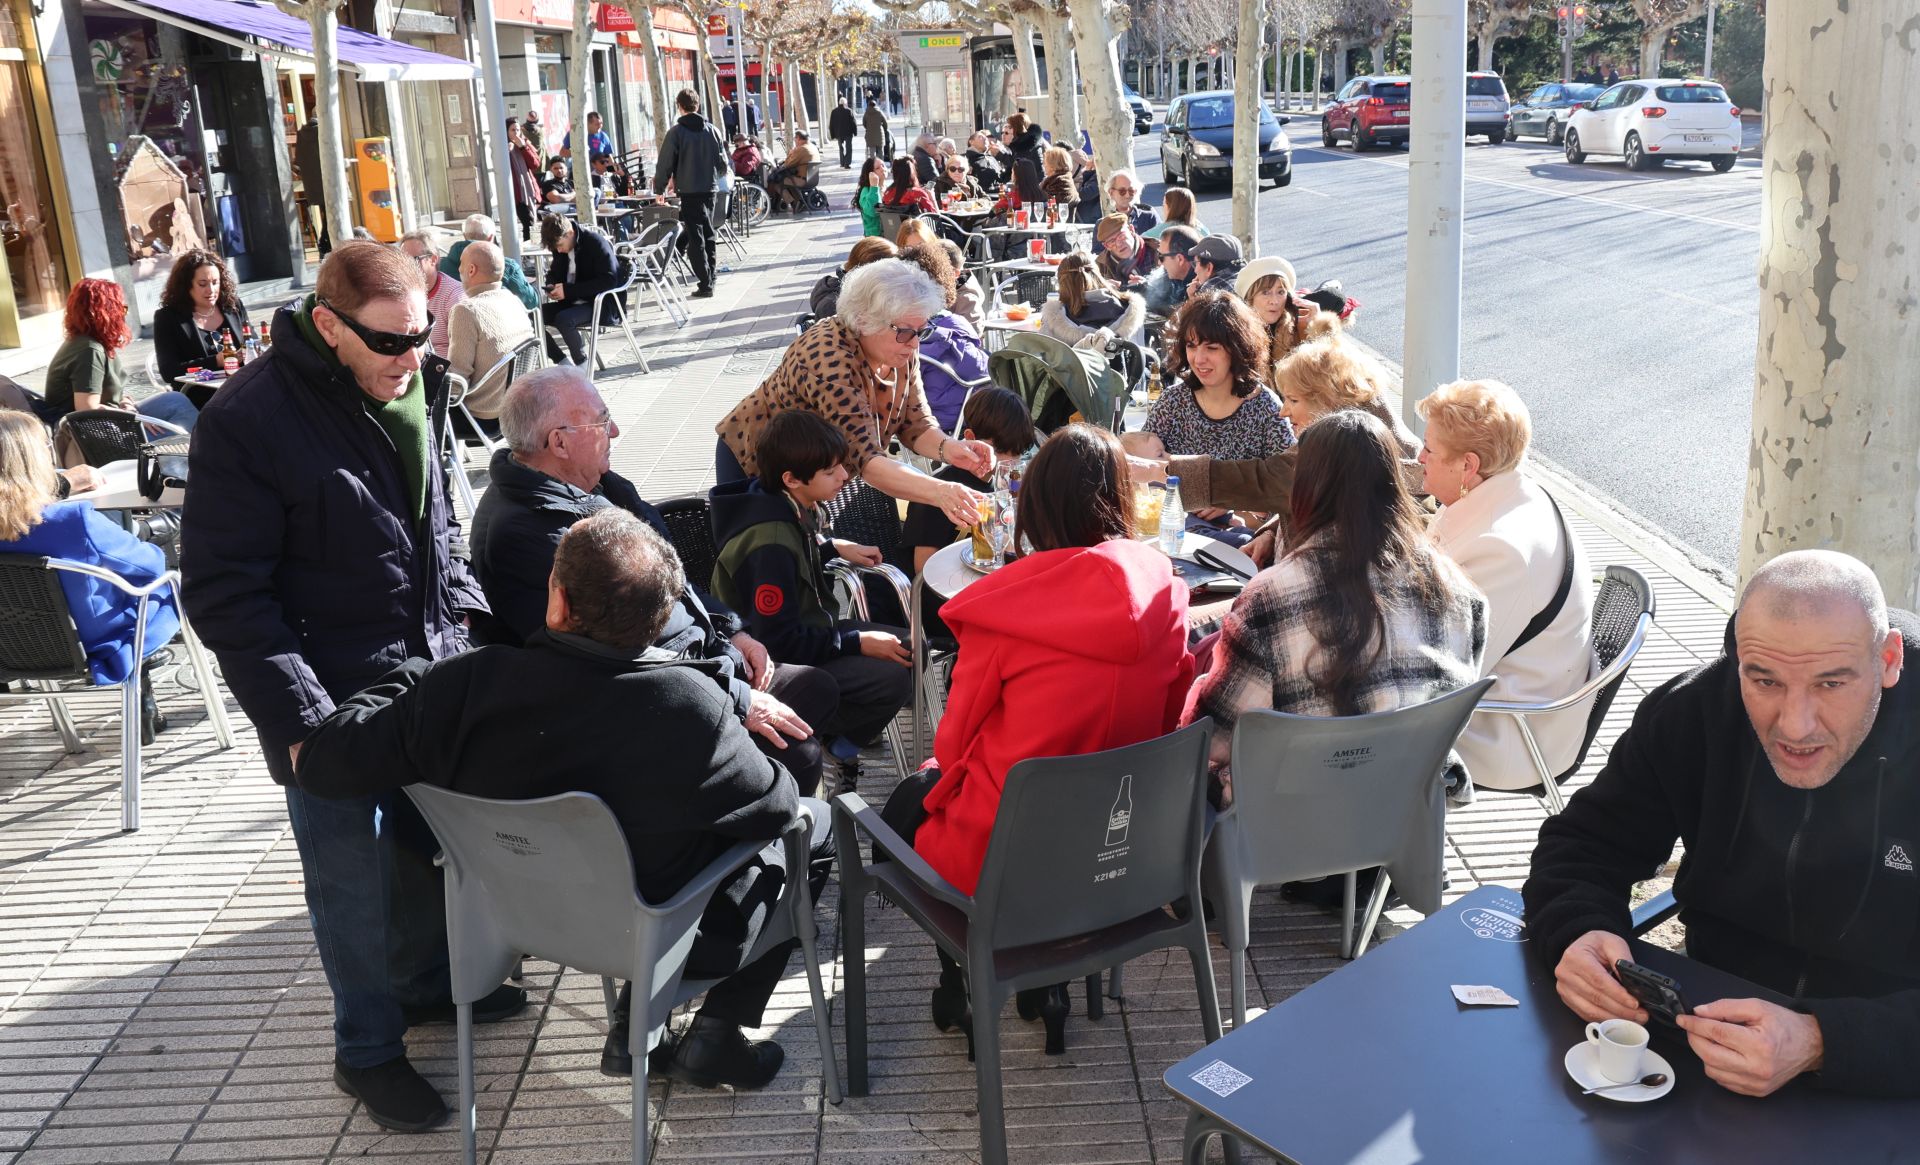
<point>375,58</point>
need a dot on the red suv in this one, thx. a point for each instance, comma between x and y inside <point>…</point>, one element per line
<point>1370,110</point>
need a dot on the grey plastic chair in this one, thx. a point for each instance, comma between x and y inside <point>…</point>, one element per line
<point>1321,795</point>
<point>1623,614</point>
<point>553,877</point>
<point>463,428</point>
<point>40,648</point>
<point>1086,854</point>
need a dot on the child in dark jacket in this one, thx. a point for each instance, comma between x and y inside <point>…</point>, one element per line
<point>772,569</point>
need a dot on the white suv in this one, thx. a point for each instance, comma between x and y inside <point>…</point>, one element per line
<point>1487,107</point>
<point>1647,122</point>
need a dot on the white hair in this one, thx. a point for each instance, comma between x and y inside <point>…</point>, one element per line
<point>1129,175</point>
<point>874,296</point>
<point>479,227</point>
<point>527,413</point>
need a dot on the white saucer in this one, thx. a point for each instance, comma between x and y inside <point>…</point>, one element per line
<point>1586,1072</point>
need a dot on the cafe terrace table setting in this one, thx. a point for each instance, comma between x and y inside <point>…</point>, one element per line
<point>1378,1063</point>
<point>947,574</point>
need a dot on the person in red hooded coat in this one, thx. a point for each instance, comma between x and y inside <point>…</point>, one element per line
<point>1078,647</point>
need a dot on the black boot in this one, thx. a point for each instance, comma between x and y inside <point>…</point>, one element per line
<point>152,720</point>
<point>1050,1005</point>
<point>950,1006</point>
<point>615,1059</point>
<point>714,1052</point>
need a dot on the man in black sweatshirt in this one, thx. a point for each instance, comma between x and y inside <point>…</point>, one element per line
<point>1790,770</point>
<point>589,705</point>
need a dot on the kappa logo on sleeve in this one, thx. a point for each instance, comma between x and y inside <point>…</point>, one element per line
<point>768,599</point>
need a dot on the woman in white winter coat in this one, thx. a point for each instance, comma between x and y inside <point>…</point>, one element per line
<point>1090,311</point>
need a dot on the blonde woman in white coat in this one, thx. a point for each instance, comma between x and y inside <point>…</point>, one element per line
<point>1502,529</point>
<point>1090,311</point>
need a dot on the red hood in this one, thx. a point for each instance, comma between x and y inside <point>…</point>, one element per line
<point>1109,602</point>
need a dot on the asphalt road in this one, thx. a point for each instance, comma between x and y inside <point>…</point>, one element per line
<point>1622,306</point>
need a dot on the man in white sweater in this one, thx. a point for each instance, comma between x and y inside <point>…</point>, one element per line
<point>489,323</point>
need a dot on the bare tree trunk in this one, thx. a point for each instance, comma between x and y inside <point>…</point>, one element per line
<point>1652,40</point>
<point>1246,124</point>
<point>579,69</point>
<point>325,24</point>
<point>1836,414</point>
<point>1483,52</point>
<point>1109,118</point>
<point>1024,61</point>
<point>642,13</point>
<point>1063,103</point>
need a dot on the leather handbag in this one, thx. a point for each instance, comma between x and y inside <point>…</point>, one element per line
<point>158,471</point>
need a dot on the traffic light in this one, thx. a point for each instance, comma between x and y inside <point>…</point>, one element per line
<point>1579,20</point>
<point>1566,21</point>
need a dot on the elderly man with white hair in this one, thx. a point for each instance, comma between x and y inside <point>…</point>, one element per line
<point>479,228</point>
<point>555,471</point>
<point>485,326</point>
<point>1787,768</point>
<point>857,369</point>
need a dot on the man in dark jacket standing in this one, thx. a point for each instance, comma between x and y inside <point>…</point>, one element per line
<point>694,159</point>
<point>874,123</point>
<point>553,473</point>
<point>584,265</point>
<point>588,706</point>
<point>840,128</point>
<point>1787,769</point>
<point>318,553</point>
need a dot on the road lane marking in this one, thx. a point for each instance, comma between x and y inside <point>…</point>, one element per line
<point>1753,229</point>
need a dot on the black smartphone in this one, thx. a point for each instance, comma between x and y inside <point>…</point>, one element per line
<point>1658,993</point>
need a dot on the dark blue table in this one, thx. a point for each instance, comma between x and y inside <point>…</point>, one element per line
<point>1376,1064</point>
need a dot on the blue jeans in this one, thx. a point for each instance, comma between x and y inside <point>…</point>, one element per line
<point>378,908</point>
<point>172,407</point>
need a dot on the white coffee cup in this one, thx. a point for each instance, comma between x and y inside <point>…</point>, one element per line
<point>1619,1049</point>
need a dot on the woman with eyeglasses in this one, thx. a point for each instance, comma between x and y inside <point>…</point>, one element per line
<point>859,370</point>
<point>956,182</point>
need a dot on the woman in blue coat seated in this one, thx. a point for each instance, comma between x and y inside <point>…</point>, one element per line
<point>953,343</point>
<point>31,522</point>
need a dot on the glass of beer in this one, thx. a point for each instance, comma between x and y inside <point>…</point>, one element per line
<point>982,548</point>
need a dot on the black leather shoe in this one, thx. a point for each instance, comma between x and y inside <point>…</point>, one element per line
<point>152,720</point>
<point>714,1052</point>
<point>396,1095</point>
<point>703,293</point>
<point>503,1002</point>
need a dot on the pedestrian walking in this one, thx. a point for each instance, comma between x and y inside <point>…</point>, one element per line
<point>875,123</point>
<point>525,161</point>
<point>694,159</point>
<point>840,128</point>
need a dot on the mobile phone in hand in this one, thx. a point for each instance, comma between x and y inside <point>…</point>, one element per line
<point>1658,993</point>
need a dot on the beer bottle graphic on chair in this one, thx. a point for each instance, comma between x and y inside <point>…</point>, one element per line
<point>1120,817</point>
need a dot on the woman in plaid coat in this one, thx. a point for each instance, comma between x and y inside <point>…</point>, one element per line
<point>1359,614</point>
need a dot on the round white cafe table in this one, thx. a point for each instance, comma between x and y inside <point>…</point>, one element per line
<point>947,574</point>
<point>120,490</point>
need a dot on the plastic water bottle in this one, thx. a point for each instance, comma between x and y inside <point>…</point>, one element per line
<point>1173,521</point>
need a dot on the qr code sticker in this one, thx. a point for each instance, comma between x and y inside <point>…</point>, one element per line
<point>1222,1078</point>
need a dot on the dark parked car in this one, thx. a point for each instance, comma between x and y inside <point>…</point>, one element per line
<point>1197,140</point>
<point>1368,112</point>
<point>1543,112</point>
<point>1142,112</point>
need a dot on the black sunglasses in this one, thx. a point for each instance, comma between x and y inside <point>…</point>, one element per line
<point>384,343</point>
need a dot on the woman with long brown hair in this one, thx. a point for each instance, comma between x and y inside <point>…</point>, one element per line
<point>1077,647</point>
<point>199,307</point>
<point>1176,210</point>
<point>905,192</point>
<point>1360,613</point>
<point>1090,311</point>
<point>85,371</point>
